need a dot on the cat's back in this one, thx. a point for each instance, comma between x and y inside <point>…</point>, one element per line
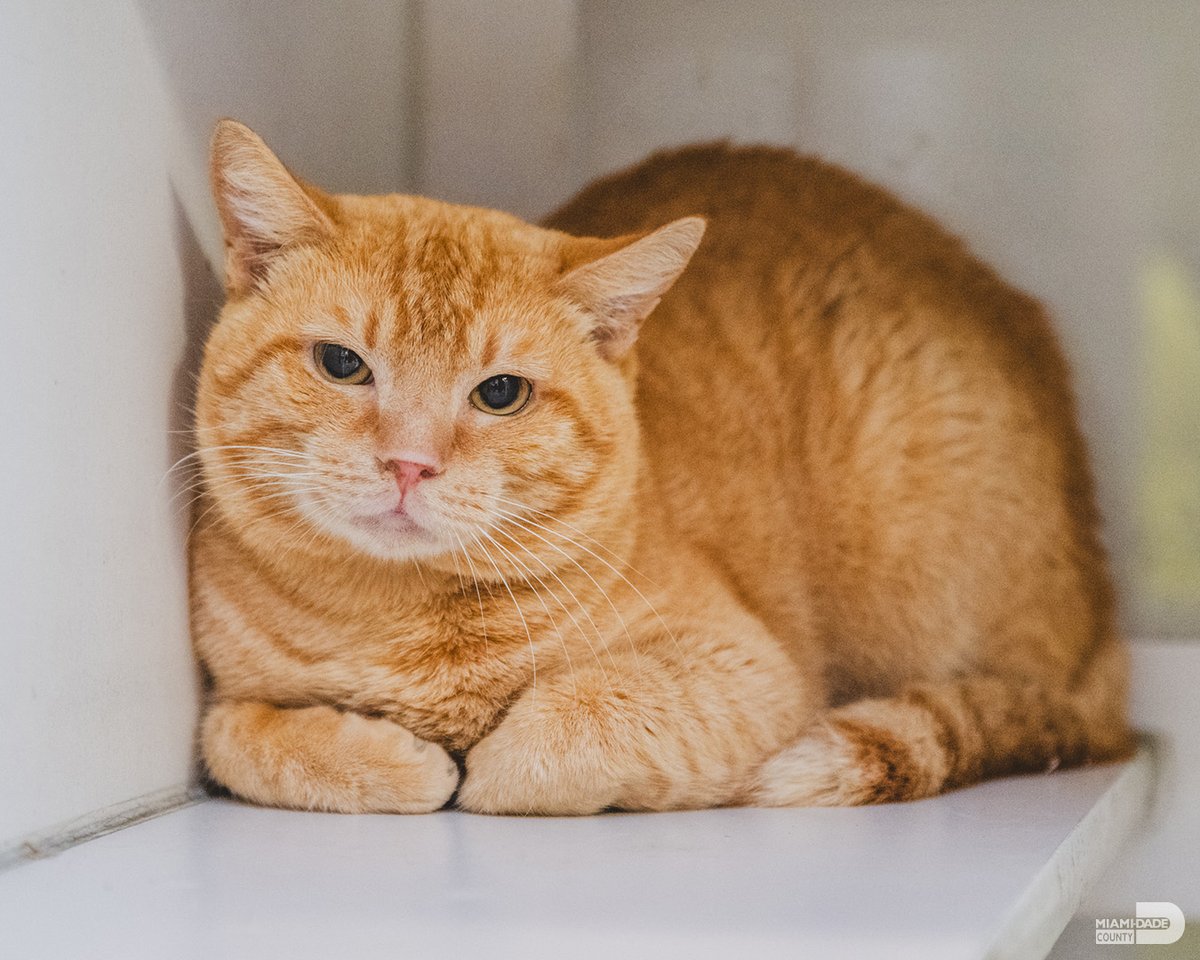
<point>828,378</point>
<point>791,241</point>
<point>771,212</point>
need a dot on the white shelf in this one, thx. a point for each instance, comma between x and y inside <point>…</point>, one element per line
<point>993,871</point>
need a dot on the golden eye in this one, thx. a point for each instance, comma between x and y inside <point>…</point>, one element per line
<point>341,364</point>
<point>502,395</point>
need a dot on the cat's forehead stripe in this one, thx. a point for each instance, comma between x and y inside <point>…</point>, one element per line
<point>371,328</point>
<point>491,348</point>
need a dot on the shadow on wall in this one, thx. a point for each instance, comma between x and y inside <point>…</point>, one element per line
<point>203,295</point>
<point>323,83</point>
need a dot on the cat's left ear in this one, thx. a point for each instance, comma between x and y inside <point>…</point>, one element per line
<point>621,288</point>
<point>264,208</point>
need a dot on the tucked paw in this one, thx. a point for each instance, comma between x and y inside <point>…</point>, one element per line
<point>821,769</point>
<point>395,771</point>
<point>550,757</point>
<point>841,763</point>
<point>319,758</point>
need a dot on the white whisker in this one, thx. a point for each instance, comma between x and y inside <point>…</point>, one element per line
<point>549,616</point>
<point>586,536</point>
<point>528,524</point>
<point>528,635</point>
<point>478,594</point>
<point>512,518</point>
<point>578,626</point>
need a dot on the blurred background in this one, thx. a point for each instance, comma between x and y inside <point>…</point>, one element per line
<point>1060,137</point>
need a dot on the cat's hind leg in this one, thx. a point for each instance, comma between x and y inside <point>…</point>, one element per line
<point>938,736</point>
<point>320,758</point>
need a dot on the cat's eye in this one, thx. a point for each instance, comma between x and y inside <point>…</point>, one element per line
<point>341,364</point>
<point>502,395</point>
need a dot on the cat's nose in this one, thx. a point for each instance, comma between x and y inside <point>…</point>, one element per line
<point>409,473</point>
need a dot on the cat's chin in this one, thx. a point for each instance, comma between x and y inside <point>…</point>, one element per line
<point>394,523</point>
<point>394,535</point>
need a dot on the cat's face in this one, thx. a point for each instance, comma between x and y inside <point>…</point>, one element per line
<point>405,378</point>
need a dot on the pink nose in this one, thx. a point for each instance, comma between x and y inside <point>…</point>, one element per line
<point>409,473</point>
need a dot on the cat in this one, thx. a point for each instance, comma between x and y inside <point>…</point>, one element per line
<point>737,482</point>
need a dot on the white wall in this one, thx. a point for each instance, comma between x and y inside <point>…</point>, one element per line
<point>498,93</point>
<point>106,291</point>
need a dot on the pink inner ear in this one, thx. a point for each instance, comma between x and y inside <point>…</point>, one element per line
<point>616,332</point>
<point>263,207</point>
<point>621,289</point>
<point>250,255</point>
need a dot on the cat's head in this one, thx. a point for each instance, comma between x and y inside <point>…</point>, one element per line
<point>402,377</point>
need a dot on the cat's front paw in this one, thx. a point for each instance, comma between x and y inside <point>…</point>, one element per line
<point>552,755</point>
<point>319,758</point>
<point>399,772</point>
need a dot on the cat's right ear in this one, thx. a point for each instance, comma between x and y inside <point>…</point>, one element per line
<point>263,208</point>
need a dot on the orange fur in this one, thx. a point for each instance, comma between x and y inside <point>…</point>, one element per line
<point>824,534</point>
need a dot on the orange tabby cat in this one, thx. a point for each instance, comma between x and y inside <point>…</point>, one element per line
<point>824,534</point>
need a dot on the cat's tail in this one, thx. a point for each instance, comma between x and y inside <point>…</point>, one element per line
<point>935,737</point>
